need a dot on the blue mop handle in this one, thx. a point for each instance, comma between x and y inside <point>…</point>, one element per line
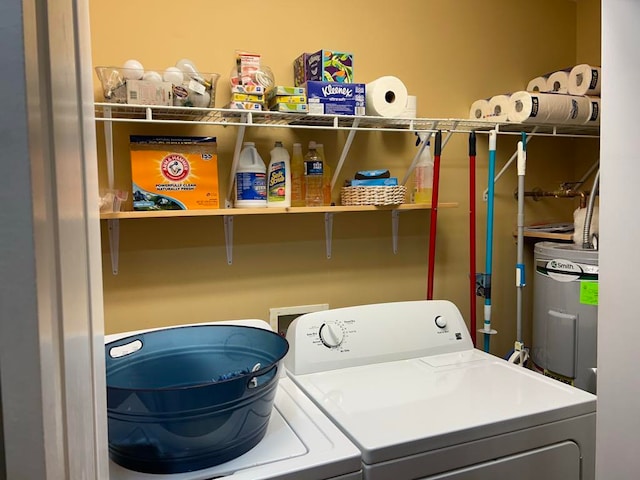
<point>489,246</point>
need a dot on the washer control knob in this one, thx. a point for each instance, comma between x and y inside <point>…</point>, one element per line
<point>331,335</point>
<point>441,322</point>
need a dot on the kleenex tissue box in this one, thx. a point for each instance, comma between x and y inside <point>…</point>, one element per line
<point>330,66</point>
<point>335,98</point>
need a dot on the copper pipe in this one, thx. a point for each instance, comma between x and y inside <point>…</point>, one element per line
<point>538,193</point>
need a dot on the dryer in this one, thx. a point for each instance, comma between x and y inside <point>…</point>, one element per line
<point>404,383</point>
<point>300,443</point>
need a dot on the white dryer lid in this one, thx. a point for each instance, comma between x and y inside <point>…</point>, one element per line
<point>394,409</point>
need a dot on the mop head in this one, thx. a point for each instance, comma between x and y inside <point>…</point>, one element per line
<point>579,217</point>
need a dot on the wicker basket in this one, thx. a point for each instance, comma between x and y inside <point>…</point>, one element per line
<point>379,195</point>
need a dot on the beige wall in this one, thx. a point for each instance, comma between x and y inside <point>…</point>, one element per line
<point>448,53</point>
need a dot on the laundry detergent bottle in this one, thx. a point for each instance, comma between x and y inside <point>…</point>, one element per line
<point>251,178</point>
<point>279,177</point>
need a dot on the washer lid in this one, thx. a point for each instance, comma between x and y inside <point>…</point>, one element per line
<point>395,409</point>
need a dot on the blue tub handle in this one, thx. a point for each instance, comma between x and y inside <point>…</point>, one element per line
<point>126,349</point>
<point>262,378</point>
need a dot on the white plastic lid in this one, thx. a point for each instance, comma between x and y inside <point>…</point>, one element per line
<point>249,144</point>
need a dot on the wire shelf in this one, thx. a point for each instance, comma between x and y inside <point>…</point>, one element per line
<point>114,112</point>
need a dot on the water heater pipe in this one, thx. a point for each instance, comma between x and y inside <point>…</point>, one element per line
<point>586,233</point>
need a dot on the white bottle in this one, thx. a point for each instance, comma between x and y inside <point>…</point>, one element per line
<point>423,174</point>
<point>251,178</point>
<point>279,177</point>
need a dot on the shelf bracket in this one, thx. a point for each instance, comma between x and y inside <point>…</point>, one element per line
<point>395,222</point>
<point>328,232</point>
<point>345,151</point>
<point>228,237</point>
<point>114,243</point>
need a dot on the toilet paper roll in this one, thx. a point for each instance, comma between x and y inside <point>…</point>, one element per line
<point>594,111</point>
<point>539,107</point>
<point>386,97</point>
<point>538,84</point>
<point>584,80</point>
<point>411,109</point>
<point>580,110</point>
<point>479,109</point>
<point>558,82</point>
<point>499,108</point>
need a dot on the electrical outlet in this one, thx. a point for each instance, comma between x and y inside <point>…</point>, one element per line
<point>281,317</point>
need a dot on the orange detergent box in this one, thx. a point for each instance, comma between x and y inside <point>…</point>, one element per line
<point>174,173</point>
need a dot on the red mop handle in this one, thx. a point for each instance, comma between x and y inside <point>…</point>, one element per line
<point>472,236</point>
<point>437,150</point>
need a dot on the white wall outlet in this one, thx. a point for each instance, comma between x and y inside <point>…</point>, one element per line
<point>281,317</point>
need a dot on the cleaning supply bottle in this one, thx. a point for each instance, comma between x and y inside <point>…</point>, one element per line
<point>423,174</point>
<point>313,176</point>
<point>326,175</point>
<point>251,178</point>
<point>297,176</point>
<point>279,177</point>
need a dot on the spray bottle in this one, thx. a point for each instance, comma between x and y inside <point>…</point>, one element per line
<point>423,174</point>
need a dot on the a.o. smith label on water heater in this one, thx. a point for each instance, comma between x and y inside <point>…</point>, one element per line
<point>566,270</point>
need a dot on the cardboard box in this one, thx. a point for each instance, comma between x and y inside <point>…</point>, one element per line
<point>174,173</point>
<point>281,90</point>
<point>245,106</point>
<point>288,99</point>
<point>249,89</point>
<point>330,66</point>
<point>300,76</point>
<point>334,98</point>
<point>375,182</point>
<point>145,92</point>
<point>290,107</point>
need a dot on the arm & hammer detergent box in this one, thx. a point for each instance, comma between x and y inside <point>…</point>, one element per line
<point>174,173</point>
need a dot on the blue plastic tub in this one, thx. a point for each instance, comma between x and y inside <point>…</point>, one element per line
<point>187,398</point>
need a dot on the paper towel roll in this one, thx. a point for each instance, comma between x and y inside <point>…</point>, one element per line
<point>538,84</point>
<point>386,97</point>
<point>411,109</point>
<point>558,82</point>
<point>499,108</point>
<point>479,109</point>
<point>533,107</point>
<point>584,80</point>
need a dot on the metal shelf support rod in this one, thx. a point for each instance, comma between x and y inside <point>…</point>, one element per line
<point>345,151</point>
<point>228,237</point>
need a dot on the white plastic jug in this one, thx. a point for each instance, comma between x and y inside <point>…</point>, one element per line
<point>279,177</point>
<point>251,178</point>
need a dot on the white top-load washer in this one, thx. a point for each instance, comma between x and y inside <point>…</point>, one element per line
<point>403,381</point>
<point>301,443</point>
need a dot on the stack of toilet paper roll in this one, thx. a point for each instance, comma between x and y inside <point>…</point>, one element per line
<point>538,107</point>
<point>582,79</point>
<point>564,97</point>
<point>553,108</point>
